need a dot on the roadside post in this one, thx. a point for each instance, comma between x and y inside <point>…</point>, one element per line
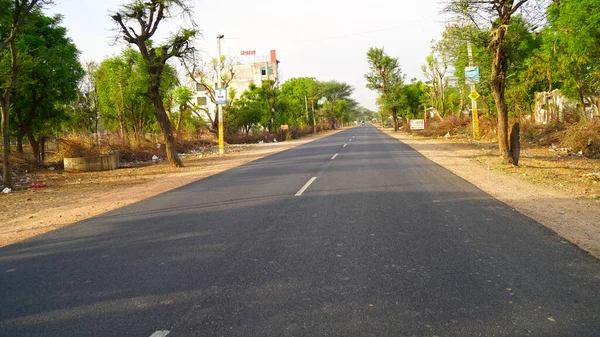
<point>472,78</point>
<point>221,94</point>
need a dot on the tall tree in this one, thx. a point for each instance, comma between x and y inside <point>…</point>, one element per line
<point>386,78</point>
<point>500,13</point>
<point>12,15</point>
<point>147,15</point>
<point>47,83</point>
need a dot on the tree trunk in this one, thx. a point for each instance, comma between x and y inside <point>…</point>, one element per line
<point>395,117</point>
<point>5,106</point>
<point>35,145</point>
<point>498,81</point>
<point>165,125</point>
<point>582,100</point>
<point>6,167</point>
<point>20,135</point>
<point>43,149</point>
<point>515,143</point>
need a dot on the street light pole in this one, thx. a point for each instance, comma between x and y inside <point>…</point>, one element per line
<point>219,84</point>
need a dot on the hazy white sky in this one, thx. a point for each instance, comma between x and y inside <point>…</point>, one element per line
<point>325,39</point>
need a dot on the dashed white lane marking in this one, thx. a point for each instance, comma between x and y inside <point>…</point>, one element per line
<point>335,156</point>
<point>162,333</point>
<point>345,145</point>
<point>303,189</point>
<point>350,139</point>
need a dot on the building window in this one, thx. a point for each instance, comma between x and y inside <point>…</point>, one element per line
<point>201,101</point>
<point>263,71</point>
<point>200,87</point>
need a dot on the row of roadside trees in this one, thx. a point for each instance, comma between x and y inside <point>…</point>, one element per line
<point>522,47</point>
<point>45,91</point>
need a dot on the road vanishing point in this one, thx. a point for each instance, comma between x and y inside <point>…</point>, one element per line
<point>354,234</point>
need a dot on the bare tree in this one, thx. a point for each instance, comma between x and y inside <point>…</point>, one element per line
<point>497,16</point>
<point>146,16</point>
<point>203,75</point>
<point>435,71</point>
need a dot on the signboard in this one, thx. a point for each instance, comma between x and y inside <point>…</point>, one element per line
<point>474,95</point>
<point>284,127</point>
<point>248,52</point>
<point>417,124</point>
<point>221,95</point>
<point>471,75</point>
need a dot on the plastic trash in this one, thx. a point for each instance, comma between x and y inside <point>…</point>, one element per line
<point>6,190</point>
<point>155,159</point>
<point>38,186</point>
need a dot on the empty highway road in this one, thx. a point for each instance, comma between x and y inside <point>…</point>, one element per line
<point>355,234</point>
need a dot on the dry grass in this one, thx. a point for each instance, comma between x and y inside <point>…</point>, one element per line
<point>580,138</point>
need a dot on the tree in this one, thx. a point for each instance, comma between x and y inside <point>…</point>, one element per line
<point>147,16</point>
<point>12,15</point>
<point>336,100</point>
<point>123,83</point>
<point>182,97</point>
<point>203,76</point>
<point>248,111</point>
<point>47,82</point>
<point>500,13</point>
<point>86,110</point>
<point>435,72</point>
<point>414,93</point>
<point>386,78</point>
<point>570,50</point>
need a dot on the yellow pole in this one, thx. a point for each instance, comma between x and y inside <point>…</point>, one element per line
<point>219,84</point>
<point>473,101</point>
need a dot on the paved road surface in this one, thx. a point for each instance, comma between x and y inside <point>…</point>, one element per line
<point>382,243</point>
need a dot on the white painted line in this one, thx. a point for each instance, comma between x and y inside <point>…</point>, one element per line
<point>162,333</point>
<point>345,145</point>
<point>350,139</point>
<point>332,158</point>
<point>303,189</point>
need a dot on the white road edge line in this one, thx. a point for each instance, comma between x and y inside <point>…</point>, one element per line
<point>303,189</point>
<point>161,333</point>
<point>345,145</point>
<point>335,156</point>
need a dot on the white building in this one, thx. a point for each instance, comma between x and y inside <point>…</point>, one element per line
<point>259,69</point>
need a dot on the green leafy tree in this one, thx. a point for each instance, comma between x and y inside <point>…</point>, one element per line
<point>147,15</point>
<point>337,101</point>
<point>570,56</point>
<point>47,83</point>
<point>12,15</point>
<point>248,111</point>
<point>385,77</point>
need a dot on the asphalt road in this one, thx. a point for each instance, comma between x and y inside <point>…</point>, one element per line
<point>382,243</point>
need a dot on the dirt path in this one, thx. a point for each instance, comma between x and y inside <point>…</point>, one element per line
<point>72,197</point>
<point>558,192</point>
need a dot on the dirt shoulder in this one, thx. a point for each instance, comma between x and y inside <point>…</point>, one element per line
<point>71,197</point>
<point>559,191</point>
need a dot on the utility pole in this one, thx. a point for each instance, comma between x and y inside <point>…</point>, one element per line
<point>473,101</point>
<point>219,84</point>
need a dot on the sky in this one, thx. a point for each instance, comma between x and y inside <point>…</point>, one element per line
<point>324,39</point>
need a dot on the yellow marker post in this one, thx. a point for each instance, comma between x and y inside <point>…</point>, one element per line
<point>221,142</point>
<point>474,95</point>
